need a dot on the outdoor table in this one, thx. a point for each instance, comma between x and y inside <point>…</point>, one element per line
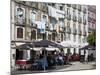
<point>22,64</point>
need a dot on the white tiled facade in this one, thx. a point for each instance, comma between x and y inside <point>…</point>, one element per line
<point>66,28</point>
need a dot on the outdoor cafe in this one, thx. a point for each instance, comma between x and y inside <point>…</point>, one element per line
<point>37,55</point>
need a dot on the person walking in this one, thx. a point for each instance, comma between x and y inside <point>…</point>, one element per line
<point>86,56</point>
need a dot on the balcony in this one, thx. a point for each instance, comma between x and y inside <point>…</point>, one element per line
<point>69,17</point>
<point>33,25</point>
<point>47,28</point>
<point>80,32</point>
<point>74,6</point>
<point>79,7</point>
<point>74,31</point>
<point>84,33</point>
<point>20,21</point>
<point>84,10</point>
<point>74,18</point>
<point>80,20</point>
<point>69,5</point>
<point>69,30</point>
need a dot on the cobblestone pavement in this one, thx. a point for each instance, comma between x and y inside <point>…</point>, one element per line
<point>74,67</point>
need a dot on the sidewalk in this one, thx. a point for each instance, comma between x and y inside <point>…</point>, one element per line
<point>80,66</point>
<point>74,67</point>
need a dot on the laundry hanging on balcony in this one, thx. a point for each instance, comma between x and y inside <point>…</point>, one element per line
<point>53,12</point>
<point>20,14</point>
<point>41,26</point>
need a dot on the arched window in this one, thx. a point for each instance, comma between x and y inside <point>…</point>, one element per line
<point>33,16</point>
<point>19,32</point>
<point>68,24</point>
<point>20,15</point>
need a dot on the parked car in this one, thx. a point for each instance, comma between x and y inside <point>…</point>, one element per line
<point>75,57</point>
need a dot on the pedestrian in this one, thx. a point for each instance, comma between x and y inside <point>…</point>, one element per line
<point>61,61</point>
<point>86,56</point>
<point>69,58</point>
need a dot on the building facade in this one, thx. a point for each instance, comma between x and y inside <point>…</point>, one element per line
<point>91,18</point>
<point>66,24</point>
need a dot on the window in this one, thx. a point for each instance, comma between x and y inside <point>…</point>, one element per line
<point>79,27</point>
<point>68,11</point>
<point>19,32</point>
<point>79,39</point>
<point>74,50</point>
<point>79,17</point>
<point>53,36</point>
<point>44,18</point>
<point>84,19</point>
<point>73,12</point>
<point>19,54</point>
<point>20,15</point>
<point>68,24</point>
<point>61,7</point>
<point>33,16</point>
<point>53,22</point>
<point>68,27</point>
<point>33,34</point>
<point>53,4</point>
<point>61,22</point>
<point>39,36</point>
<point>74,15</point>
<point>49,36</point>
<point>74,26</point>
<point>68,36</point>
<point>84,27</point>
<point>61,37</point>
<point>68,51</point>
<point>44,36</point>
<point>68,14</point>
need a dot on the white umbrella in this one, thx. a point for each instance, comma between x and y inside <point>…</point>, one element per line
<point>66,43</point>
<point>52,49</point>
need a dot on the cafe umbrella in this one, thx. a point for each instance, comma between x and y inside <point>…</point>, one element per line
<point>46,45</point>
